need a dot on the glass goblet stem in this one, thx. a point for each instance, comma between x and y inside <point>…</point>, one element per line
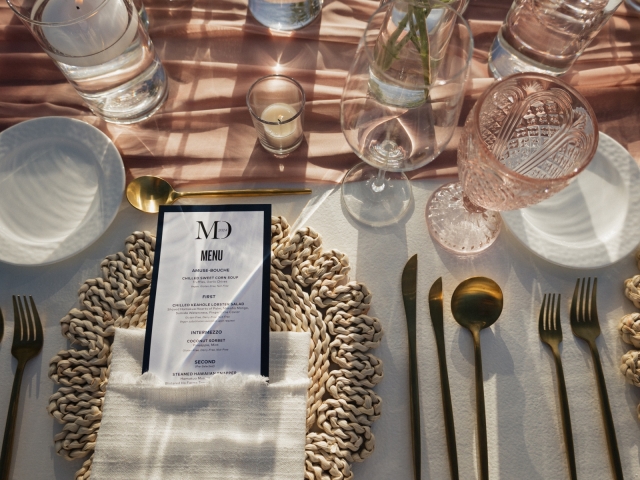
<point>378,184</point>
<point>458,224</point>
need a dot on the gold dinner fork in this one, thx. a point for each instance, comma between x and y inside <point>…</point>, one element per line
<point>550,329</point>
<point>27,342</point>
<point>585,325</point>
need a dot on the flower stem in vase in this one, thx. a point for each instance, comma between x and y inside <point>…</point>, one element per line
<point>420,16</point>
<point>405,55</point>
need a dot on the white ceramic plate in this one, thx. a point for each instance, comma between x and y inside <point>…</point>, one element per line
<point>61,184</point>
<point>592,223</point>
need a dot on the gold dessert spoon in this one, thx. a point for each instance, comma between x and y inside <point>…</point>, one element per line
<point>148,193</point>
<point>477,304</point>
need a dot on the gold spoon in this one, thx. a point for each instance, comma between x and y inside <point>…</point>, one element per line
<point>148,193</point>
<point>477,304</point>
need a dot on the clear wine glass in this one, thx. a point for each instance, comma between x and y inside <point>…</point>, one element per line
<point>525,139</point>
<point>401,102</point>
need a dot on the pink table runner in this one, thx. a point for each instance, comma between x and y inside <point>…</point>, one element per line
<point>213,52</point>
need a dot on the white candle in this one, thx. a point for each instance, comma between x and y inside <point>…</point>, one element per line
<point>284,135</point>
<point>89,42</point>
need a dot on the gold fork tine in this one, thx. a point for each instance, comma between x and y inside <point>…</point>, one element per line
<point>17,321</point>
<point>36,317</point>
<point>593,308</point>
<point>541,318</point>
<point>573,315</point>
<point>29,330</point>
<point>548,311</point>
<point>588,312</point>
<point>553,313</point>
<point>581,306</point>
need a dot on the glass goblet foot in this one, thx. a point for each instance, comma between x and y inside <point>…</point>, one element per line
<point>376,197</point>
<point>457,224</point>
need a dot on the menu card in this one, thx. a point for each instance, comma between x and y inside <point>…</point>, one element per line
<point>209,304</point>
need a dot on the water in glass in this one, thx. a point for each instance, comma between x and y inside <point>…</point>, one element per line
<point>284,14</point>
<point>547,36</point>
<point>127,89</point>
<point>103,49</point>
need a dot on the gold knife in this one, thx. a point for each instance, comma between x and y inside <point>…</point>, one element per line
<point>409,287</point>
<point>436,311</point>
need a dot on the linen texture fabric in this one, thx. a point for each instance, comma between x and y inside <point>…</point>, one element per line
<point>232,427</point>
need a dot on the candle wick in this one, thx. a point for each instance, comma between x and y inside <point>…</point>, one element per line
<point>280,117</point>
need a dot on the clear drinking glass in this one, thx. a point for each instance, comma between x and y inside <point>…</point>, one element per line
<point>276,104</point>
<point>401,102</point>
<point>103,49</point>
<point>285,14</point>
<point>547,36</point>
<point>525,139</point>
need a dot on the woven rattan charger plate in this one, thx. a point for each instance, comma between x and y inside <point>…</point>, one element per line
<point>310,291</point>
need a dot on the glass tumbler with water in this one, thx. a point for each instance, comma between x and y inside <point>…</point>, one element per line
<point>547,36</point>
<point>285,15</point>
<point>103,49</point>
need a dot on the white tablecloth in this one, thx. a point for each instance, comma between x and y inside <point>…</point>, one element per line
<point>524,430</point>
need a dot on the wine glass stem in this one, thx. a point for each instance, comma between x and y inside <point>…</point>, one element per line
<point>378,184</point>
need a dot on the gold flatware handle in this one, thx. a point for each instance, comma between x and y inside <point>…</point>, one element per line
<point>565,415</point>
<point>259,192</point>
<point>10,426</point>
<point>480,410</point>
<point>609,428</point>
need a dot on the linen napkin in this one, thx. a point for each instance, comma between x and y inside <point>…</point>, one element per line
<point>232,427</point>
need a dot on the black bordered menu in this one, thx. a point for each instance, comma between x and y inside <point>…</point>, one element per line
<point>209,304</point>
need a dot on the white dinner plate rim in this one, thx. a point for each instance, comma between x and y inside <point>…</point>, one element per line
<point>629,229</point>
<point>116,182</point>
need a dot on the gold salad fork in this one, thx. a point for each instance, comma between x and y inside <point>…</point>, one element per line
<point>27,342</point>
<point>550,329</point>
<point>585,325</point>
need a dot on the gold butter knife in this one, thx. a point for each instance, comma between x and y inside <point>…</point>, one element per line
<point>436,311</point>
<point>409,287</point>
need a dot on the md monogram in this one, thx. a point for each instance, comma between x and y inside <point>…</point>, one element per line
<point>218,231</point>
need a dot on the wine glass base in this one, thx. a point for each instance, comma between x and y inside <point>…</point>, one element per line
<point>458,225</point>
<point>373,204</point>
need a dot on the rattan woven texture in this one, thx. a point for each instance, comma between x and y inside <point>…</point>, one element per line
<point>629,328</point>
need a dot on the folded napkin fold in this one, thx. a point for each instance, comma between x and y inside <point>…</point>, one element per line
<point>231,427</point>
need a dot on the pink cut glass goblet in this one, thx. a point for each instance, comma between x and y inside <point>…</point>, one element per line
<point>524,140</point>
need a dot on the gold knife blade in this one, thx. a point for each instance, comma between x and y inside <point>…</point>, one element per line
<point>437,320</point>
<point>409,289</point>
